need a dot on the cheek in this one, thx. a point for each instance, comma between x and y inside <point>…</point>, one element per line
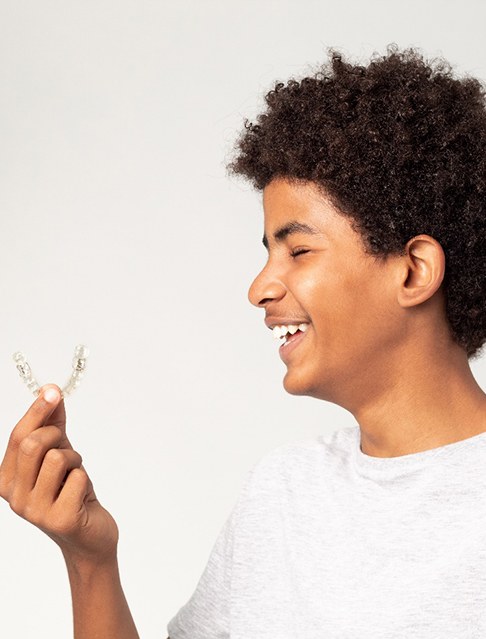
<point>327,296</point>
<point>343,306</point>
<point>346,306</point>
<point>309,288</point>
<point>363,315</point>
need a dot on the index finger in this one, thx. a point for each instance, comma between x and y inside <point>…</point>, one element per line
<point>47,404</point>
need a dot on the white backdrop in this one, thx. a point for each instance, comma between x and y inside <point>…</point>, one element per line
<point>120,229</point>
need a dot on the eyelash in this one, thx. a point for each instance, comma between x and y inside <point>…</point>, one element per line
<point>296,252</point>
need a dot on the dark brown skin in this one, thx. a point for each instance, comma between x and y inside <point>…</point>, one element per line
<point>378,344</point>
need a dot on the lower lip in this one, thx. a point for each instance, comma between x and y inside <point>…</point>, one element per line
<point>287,348</point>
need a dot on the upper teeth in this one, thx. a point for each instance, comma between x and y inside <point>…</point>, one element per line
<point>281,331</point>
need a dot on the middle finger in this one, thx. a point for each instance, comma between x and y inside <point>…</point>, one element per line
<point>57,462</point>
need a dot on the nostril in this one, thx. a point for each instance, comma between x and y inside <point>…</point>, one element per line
<point>264,301</point>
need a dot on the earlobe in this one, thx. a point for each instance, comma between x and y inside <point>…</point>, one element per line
<point>425,269</point>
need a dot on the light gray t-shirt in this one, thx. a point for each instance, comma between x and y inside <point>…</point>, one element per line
<point>325,542</point>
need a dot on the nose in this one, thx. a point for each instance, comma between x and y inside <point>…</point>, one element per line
<point>265,288</point>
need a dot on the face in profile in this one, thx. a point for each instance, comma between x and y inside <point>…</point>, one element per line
<point>317,273</point>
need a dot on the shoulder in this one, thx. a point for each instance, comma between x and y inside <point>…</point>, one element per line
<point>302,459</point>
<point>339,441</point>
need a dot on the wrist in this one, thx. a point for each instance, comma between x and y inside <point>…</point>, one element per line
<point>85,566</point>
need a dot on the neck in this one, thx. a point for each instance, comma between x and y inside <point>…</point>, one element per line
<point>431,401</point>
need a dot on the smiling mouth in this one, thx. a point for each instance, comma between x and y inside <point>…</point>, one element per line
<point>289,331</point>
<point>290,344</point>
<point>290,338</point>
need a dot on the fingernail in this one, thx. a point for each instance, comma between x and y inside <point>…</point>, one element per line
<point>51,395</point>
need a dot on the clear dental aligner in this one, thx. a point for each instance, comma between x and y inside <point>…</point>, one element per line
<point>81,353</point>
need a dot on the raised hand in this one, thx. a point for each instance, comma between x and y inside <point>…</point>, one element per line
<point>44,481</point>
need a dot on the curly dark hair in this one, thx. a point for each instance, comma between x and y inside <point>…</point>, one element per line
<point>399,147</point>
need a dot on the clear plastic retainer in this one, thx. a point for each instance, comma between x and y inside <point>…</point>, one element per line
<point>81,353</point>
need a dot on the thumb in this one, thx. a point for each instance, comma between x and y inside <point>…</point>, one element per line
<point>58,415</point>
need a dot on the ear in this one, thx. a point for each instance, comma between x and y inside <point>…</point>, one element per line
<point>424,265</point>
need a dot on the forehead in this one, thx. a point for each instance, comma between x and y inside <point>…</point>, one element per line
<point>303,202</point>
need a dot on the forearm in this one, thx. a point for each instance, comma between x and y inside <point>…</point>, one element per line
<point>100,610</point>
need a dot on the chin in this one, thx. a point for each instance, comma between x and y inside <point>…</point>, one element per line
<point>296,384</point>
<point>310,382</point>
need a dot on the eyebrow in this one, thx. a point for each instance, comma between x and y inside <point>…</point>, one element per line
<point>289,229</point>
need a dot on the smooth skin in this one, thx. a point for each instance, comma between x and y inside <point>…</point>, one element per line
<point>44,481</point>
<point>378,345</point>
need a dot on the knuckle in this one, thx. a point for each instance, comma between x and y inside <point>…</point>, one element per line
<point>4,489</point>
<point>62,523</point>
<point>15,440</point>
<point>27,510</point>
<point>31,445</point>
<point>55,457</point>
<point>17,505</point>
<point>80,476</point>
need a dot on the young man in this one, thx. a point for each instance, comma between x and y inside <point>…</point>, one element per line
<point>374,194</point>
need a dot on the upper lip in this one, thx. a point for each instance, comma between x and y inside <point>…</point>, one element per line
<point>272,321</point>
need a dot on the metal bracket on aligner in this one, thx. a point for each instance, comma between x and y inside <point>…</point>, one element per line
<point>81,353</point>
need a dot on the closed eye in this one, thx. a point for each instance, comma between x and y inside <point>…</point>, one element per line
<point>296,252</point>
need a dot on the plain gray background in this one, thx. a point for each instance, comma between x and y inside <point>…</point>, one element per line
<point>120,229</point>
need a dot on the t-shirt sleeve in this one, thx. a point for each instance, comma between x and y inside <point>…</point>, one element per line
<point>207,613</point>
